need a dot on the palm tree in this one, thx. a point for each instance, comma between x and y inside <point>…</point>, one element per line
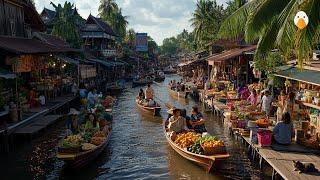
<point>107,8</point>
<point>112,14</point>
<point>65,24</point>
<point>206,20</point>
<point>119,23</point>
<point>130,38</point>
<point>270,22</point>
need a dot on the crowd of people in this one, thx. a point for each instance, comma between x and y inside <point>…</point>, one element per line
<point>177,86</point>
<point>281,106</point>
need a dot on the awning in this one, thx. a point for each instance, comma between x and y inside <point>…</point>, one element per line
<point>103,62</point>
<point>230,53</point>
<point>67,59</point>
<point>7,74</point>
<point>305,75</point>
<point>29,46</point>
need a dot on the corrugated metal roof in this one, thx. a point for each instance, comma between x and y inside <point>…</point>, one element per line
<point>304,75</point>
<point>231,53</point>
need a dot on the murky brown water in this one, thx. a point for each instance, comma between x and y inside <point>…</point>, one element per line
<point>137,150</point>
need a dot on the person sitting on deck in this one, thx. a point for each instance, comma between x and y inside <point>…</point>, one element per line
<point>197,121</point>
<point>149,92</point>
<point>174,85</point>
<point>72,123</point>
<point>283,131</point>
<point>177,123</point>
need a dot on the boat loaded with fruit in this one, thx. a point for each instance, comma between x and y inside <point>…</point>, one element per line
<point>207,151</point>
<point>83,146</point>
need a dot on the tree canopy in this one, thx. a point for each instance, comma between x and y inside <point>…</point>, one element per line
<point>270,22</point>
<point>110,12</point>
<point>65,24</point>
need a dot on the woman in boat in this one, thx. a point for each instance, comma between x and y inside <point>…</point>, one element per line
<point>283,132</point>
<point>196,121</point>
<point>177,123</point>
<point>141,94</point>
<point>91,122</point>
<point>72,122</point>
<point>149,92</point>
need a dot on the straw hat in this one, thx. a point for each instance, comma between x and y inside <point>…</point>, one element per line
<point>73,112</point>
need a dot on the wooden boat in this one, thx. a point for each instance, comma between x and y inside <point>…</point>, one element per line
<point>152,110</point>
<point>207,162</point>
<point>81,159</point>
<point>178,93</point>
<point>159,78</point>
<point>142,82</point>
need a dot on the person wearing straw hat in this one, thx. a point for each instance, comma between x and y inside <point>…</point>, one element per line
<point>72,122</point>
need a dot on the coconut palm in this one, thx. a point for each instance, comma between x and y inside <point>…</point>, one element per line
<point>130,38</point>
<point>65,24</point>
<point>107,8</point>
<point>270,22</point>
<point>206,21</point>
<point>112,14</point>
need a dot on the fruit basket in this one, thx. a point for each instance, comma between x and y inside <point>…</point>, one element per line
<point>213,150</point>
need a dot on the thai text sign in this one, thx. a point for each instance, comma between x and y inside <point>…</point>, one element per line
<point>142,42</point>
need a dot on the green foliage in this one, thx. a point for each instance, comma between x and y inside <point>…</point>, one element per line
<point>183,42</point>
<point>270,22</point>
<point>65,24</point>
<point>206,21</point>
<point>269,63</point>
<point>110,12</point>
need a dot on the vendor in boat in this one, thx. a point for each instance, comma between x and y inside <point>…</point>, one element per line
<point>149,92</point>
<point>91,122</point>
<point>141,94</point>
<point>72,122</point>
<point>196,121</point>
<point>177,123</point>
<point>91,98</point>
<point>283,132</point>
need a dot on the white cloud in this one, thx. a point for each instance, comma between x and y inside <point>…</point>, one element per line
<point>159,18</point>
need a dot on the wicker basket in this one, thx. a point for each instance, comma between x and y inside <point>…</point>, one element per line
<point>214,150</point>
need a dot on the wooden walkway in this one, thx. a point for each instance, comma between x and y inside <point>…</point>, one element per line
<point>280,161</point>
<point>40,123</point>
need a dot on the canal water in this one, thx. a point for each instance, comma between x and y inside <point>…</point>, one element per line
<point>137,149</point>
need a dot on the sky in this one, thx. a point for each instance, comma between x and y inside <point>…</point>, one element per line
<point>159,18</point>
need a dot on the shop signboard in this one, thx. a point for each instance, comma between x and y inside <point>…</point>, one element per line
<point>141,42</point>
<point>87,71</point>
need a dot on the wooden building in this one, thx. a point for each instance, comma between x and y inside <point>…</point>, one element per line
<point>99,38</point>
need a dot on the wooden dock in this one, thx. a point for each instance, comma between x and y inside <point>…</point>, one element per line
<point>280,161</point>
<point>40,124</point>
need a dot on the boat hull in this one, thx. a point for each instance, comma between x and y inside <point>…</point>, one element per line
<point>83,159</point>
<point>159,79</point>
<point>155,111</point>
<point>206,162</point>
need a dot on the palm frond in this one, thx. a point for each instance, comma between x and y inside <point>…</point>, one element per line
<point>262,17</point>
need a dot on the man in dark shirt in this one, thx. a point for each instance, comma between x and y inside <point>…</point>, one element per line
<point>196,121</point>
